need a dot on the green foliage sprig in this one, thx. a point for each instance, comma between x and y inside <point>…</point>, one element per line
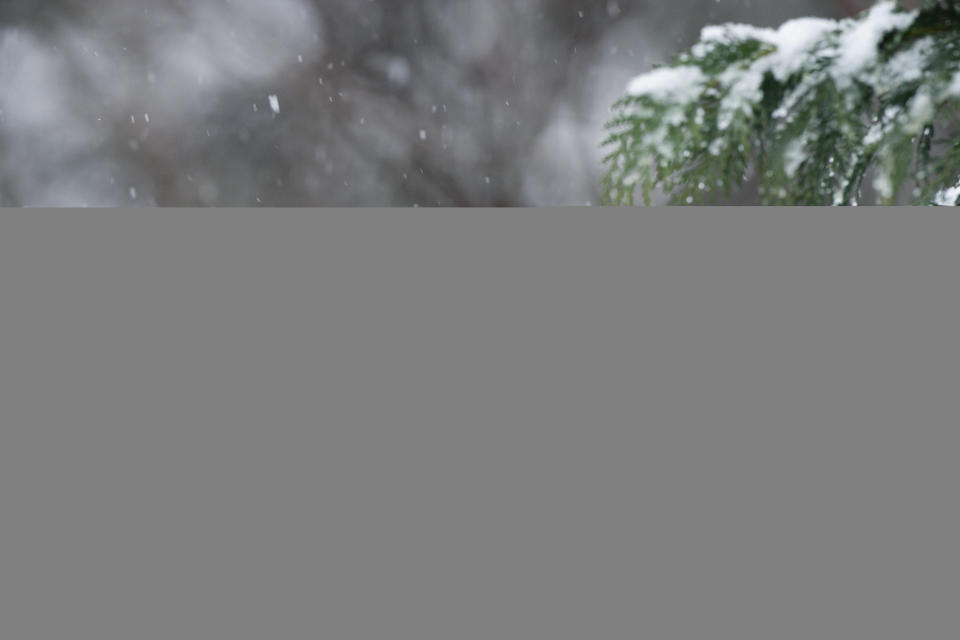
<point>812,109</point>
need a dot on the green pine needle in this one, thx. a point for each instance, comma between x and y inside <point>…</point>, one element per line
<point>811,110</point>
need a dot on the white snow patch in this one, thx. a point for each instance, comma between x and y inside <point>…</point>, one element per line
<point>883,183</point>
<point>921,113</point>
<point>882,127</point>
<point>658,141</point>
<point>274,103</point>
<point>675,117</point>
<point>732,32</point>
<point>954,88</point>
<point>793,40</point>
<point>857,48</point>
<point>676,84</point>
<point>947,197</point>
<point>743,92</point>
<point>794,155</point>
<point>909,65</point>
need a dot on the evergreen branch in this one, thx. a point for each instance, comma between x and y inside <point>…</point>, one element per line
<point>812,108</point>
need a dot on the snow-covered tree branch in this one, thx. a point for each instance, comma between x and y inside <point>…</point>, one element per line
<point>813,109</point>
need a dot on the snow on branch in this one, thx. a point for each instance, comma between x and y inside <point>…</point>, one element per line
<point>812,109</point>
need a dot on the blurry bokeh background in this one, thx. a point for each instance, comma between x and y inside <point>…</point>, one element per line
<point>377,102</point>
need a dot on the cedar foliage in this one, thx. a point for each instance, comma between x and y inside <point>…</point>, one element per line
<point>876,96</point>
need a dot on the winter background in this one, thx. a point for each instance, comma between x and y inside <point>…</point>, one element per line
<point>330,102</point>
